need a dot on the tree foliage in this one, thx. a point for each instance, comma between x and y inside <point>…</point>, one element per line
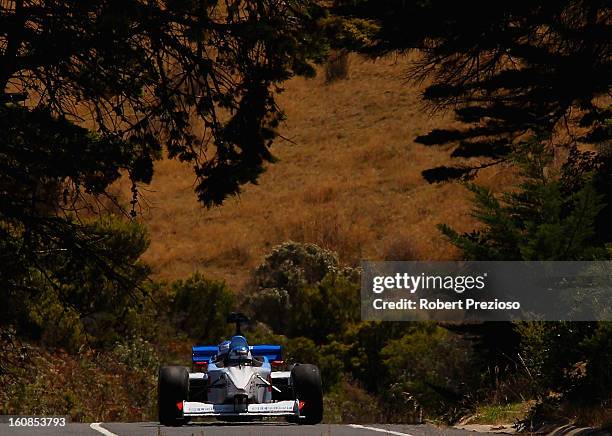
<point>302,290</point>
<point>199,308</point>
<point>513,70</point>
<point>432,366</point>
<point>195,77</point>
<point>69,301</point>
<point>551,215</point>
<point>91,91</point>
<point>544,219</point>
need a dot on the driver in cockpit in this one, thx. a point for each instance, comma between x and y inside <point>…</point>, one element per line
<point>234,353</point>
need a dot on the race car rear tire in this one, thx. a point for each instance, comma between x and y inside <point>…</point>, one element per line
<point>306,381</point>
<point>173,388</point>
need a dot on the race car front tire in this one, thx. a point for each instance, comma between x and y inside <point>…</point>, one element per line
<point>172,390</point>
<point>306,380</point>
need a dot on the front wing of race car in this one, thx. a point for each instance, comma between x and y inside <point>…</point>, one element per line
<point>279,408</point>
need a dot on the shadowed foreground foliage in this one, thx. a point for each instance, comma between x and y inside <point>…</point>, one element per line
<point>88,95</point>
<point>549,217</point>
<point>513,71</point>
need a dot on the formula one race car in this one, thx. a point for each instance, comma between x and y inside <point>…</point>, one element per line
<point>235,381</point>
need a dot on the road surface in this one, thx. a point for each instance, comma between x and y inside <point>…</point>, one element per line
<point>231,429</point>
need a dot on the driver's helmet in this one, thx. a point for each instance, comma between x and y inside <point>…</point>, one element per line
<point>239,353</point>
<point>239,349</point>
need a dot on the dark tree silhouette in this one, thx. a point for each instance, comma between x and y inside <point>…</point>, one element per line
<point>510,69</point>
<point>195,76</point>
<point>93,90</point>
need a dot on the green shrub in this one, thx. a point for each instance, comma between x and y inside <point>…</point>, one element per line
<point>86,302</point>
<point>199,308</point>
<point>301,290</point>
<point>360,346</point>
<point>304,350</point>
<point>292,265</point>
<point>432,368</point>
<point>59,325</point>
<point>138,354</point>
<point>349,402</point>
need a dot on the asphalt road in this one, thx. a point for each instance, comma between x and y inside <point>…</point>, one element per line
<point>231,429</point>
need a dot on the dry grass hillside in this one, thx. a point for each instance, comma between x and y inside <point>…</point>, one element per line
<point>349,180</point>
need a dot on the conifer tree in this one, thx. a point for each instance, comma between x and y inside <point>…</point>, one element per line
<point>540,220</point>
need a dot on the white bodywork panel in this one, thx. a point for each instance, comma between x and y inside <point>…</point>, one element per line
<point>280,408</point>
<point>224,384</point>
<point>198,376</point>
<point>240,391</point>
<point>280,374</point>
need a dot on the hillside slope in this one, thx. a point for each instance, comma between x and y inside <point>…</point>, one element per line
<point>349,179</point>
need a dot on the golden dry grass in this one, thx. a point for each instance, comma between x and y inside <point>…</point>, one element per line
<point>350,181</point>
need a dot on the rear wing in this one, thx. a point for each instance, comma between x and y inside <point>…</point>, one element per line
<point>201,353</point>
<point>270,352</point>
